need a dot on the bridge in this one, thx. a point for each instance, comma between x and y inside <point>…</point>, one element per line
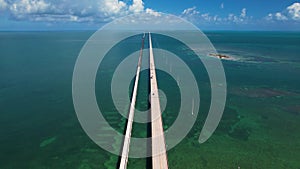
<point>159,153</point>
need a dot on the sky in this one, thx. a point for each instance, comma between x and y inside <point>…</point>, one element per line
<point>278,15</point>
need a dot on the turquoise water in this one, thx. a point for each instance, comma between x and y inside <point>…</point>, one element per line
<point>259,129</point>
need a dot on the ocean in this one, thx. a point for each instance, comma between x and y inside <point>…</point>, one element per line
<point>259,128</point>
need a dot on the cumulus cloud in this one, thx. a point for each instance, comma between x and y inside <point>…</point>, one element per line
<point>291,13</point>
<point>244,13</point>
<point>190,11</point>
<point>242,18</point>
<point>111,7</point>
<point>30,7</point>
<point>43,10</point>
<point>152,12</point>
<point>137,6</point>
<point>195,16</point>
<point>3,5</point>
<point>233,18</point>
<point>277,16</point>
<point>206,16</point>
<point>72,10</point>
<point>294,11</point>
<point>280,16</point>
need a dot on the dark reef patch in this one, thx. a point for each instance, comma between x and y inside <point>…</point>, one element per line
<point>240,132</point>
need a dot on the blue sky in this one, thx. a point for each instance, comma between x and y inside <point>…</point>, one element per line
<point>207,15</point>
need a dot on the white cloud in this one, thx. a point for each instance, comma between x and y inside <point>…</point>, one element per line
<point>215,17</point>
<point>195,16</point>
<point>280,17</point>
<point>22,7</point>
<point>206,16</point>
<point>73,10</point>
<point>3,5</point>
<point>137,6</point>
<point>152,12</point>
<point>244,13</point>
<point>242,18</point>
<point>269,17</point>
<point>74,18</point>
<point>222,6</point>
<point>61,18</point>
<point>291,13</point>
<point>190,11</point>
<point>233,18</point>
<point>41,10</point>
<point>111,7</point>
<point>294,11</point>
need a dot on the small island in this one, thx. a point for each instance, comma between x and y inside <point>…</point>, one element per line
<point>220,56</point>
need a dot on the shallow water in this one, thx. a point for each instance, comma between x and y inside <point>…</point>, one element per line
<point>259,129</point>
